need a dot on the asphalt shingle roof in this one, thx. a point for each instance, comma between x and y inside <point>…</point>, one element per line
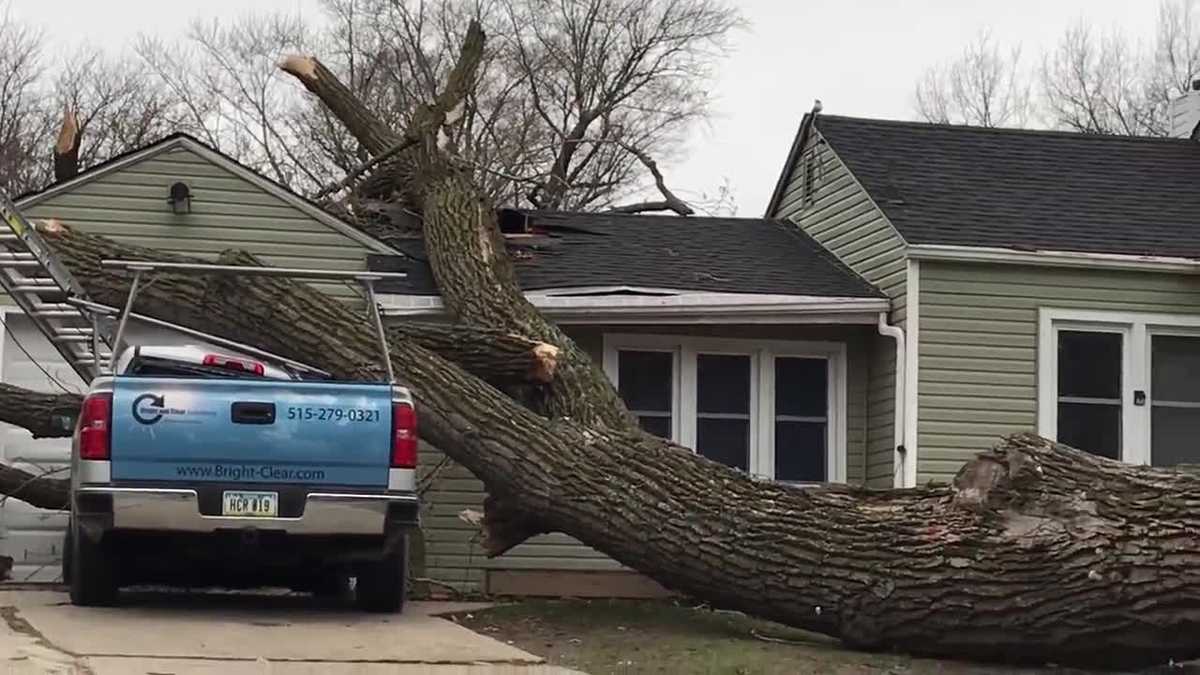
<point>1028,190</point>
<point>733,255</point>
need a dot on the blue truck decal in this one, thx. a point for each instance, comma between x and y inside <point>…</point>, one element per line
<point>175,429</point>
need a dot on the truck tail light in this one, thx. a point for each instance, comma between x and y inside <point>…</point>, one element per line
<point>404,436</point>
<point>230,363</point>
<point>95,427</point>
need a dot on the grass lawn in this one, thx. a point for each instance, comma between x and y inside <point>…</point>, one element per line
<point>604,637</point>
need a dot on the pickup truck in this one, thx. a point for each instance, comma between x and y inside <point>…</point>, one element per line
<point>201,468</point>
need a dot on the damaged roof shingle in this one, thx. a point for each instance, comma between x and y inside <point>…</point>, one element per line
<point>729,255</point>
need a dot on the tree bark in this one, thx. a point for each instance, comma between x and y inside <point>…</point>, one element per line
<point>1037,552</point>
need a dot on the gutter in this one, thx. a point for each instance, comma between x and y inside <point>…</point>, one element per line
<point>900,413</point>
<point>1051,258</point>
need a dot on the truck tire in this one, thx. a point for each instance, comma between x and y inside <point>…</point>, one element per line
<point>382,585</point>
<point>93,579</point>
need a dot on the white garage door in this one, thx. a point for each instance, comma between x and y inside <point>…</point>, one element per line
<point>33,537</point>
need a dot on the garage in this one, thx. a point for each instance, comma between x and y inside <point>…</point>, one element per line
<point>32,537</point>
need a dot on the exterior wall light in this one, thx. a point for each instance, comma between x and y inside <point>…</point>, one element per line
<point>180,199</point>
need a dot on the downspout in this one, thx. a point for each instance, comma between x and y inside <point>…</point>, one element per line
<point>899,413</point>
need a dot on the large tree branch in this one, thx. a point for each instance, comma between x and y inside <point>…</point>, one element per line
<point>364,125</point>
<point>670,201</point>
<point>495,356</point>
<point>45,416</point>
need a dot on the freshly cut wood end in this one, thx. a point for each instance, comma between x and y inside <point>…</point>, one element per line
<point>299,65</point>
<point>545,362</point>
<point>67,133</point>
<point>51,226</point>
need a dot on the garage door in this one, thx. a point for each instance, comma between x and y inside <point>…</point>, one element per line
<point>33,537</point>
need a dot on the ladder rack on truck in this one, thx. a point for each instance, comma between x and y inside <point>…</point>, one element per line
<point>87,333</point>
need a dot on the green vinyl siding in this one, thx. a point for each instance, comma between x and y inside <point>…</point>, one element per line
<point>978,345</point>
<point>841,216</point>
<point>452,544</point>
<point>129,204</point>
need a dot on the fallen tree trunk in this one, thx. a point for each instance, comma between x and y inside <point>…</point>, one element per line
<point>1037,553</point>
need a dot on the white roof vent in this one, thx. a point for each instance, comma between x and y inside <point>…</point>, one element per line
<point>1184,114</point>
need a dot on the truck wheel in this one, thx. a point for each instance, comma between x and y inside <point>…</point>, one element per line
<point>93,577</point>
<point>382,585</point>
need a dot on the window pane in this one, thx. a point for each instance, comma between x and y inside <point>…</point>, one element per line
<point>645,379</point>
<point>800,387</point>
<point>1091,427</point>
<point>722,383</point>
<point>1089,364</point>
<point>800,451</point>
<point>1175,438</point>
<point>658,425</point>
<point>1175,368</point>
<point>724,440</point>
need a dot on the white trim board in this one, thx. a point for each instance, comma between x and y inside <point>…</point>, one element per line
<point>952,253</point>
<point>912,374</point>
<point>762,354</point>
<point>657,306</point>
<point>204,152</point>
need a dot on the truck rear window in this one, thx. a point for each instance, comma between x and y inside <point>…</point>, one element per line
<point>152,367</point>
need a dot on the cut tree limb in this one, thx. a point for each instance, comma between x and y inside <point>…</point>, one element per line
<point>495,356</point>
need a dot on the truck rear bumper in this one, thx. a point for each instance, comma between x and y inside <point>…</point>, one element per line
<point>178,510</point>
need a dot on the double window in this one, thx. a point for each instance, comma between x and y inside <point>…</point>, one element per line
<point>1125,386</point>
<point>776,410</point>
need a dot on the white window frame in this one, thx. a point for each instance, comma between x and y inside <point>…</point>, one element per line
<point>762,386</point>
<point>1137,328</point>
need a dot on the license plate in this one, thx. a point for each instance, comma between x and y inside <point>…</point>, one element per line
<point>251,504</point>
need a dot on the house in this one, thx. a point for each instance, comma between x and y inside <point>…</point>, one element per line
<point>913,292</point>
<point>742,337</point>
<point>1044,280</point>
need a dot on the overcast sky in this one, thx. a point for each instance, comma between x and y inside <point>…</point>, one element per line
<point>860,57</point>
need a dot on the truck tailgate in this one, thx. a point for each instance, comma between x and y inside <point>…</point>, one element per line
<point>251,431</point>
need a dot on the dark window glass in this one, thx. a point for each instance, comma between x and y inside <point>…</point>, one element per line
<point>800,451</point>
<point>801,410</point>
<point>800,387</point>
<point>1089,364</point>
<point>1175,368</point>
<point>1091,427</point>
<point>646,382</point>
<point>723,408</point>
<point>1089,391</point>
<point>645,379</point>
<point>722,383</point>
<point>724,440</point>
<point>658,425</point>
<point>1175,436</point>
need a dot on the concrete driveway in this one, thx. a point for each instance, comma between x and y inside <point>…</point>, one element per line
<point>192,633</point>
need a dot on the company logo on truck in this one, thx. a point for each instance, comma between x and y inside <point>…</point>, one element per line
<point>150,408</point>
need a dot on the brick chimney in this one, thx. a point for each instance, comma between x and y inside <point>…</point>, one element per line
<point>1184,114</point>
